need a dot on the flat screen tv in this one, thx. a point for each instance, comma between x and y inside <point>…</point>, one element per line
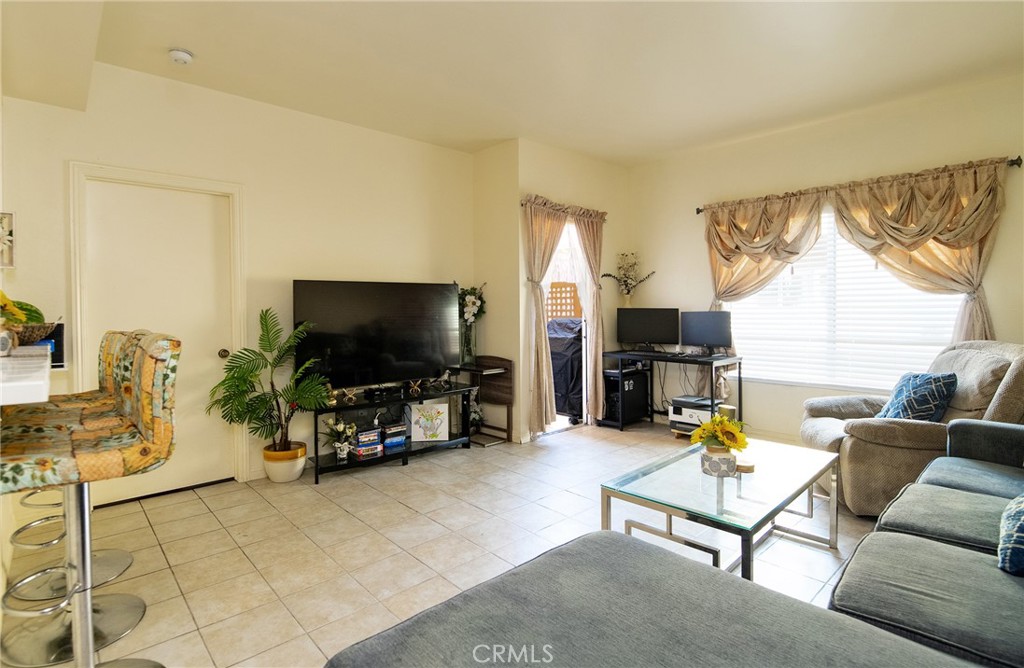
<point>709,329</point>
<point>371,333</point>
<point>647,326</point>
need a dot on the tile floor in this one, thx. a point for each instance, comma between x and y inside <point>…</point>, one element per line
<point>265,574</point>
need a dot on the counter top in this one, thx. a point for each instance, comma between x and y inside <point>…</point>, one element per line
<point>25,376</point>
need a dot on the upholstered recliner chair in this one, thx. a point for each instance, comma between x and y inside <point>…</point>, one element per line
<point>878,456</point>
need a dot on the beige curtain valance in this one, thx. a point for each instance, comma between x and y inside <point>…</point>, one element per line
<point>932,229</point>
<point>954,206</point>
<point>570,210</point>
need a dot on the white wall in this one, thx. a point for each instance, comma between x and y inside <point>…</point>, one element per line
<point>947,126</point>
<point>321,199</point>
<point>496,262</point>
<point>568,177</point>
<point>6,511</point>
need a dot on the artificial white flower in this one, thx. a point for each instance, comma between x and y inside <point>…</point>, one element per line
<point>471,300</point>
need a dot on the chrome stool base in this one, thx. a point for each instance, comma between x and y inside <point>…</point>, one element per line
<point>106,565</point>
<point>48,641</point>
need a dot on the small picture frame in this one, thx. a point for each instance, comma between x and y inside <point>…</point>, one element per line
<point>429,422</point>
<point>6,240</point>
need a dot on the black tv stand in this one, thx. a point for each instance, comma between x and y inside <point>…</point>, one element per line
<point>384,393</point>
<point>365,410</point>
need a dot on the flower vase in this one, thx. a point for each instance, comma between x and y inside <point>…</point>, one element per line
<point>8,340</point>
<point>467,339</point>
<point>627,300</point>
<point>718,462</point>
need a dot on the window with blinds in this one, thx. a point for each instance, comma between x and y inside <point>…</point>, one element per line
<point>836,319</point>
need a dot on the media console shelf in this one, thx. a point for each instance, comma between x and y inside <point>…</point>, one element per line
<point>363,412</point>
<point>627,359</point>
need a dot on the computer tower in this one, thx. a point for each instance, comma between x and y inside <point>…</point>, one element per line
<point>635,404</point>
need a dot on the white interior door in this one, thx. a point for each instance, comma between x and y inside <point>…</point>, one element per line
<point>160,258</point>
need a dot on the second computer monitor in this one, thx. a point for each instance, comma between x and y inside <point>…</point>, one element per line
<point>708,329</point>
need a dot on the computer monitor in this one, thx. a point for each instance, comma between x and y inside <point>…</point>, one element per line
<point>708,329</point>
<point>648,326</point>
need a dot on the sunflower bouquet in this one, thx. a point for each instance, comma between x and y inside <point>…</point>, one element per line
<point>720,432</point>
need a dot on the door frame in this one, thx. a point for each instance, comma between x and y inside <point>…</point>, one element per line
<point>80,175</point>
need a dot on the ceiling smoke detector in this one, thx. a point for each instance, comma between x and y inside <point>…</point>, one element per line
<point>180,56</point>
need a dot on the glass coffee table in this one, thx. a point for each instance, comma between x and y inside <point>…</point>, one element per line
<point>743,505</point>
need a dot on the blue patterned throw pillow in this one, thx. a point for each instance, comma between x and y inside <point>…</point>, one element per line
<point>1011,537</point>
<point>920,396</point>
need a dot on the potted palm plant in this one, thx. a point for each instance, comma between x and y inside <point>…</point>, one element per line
<point>256,392</point>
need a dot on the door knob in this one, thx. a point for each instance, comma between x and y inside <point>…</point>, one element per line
<point>223,353</point>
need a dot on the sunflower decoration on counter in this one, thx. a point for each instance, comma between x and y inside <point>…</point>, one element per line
<point>23,319</point>
<point>10,311</point>
<point>720,432</point>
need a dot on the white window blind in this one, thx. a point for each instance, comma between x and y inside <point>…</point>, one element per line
<point>835,319</point>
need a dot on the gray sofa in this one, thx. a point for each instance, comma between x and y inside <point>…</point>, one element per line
<point>878,456</point>
<point>924,581</point>
<point>929,571</point>
<point>607,599</point>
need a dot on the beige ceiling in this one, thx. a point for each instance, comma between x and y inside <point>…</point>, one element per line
<point>623,81</point>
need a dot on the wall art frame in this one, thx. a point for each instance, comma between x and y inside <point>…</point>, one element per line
<point>6,240</point>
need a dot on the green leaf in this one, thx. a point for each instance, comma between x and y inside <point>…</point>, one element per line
<point>245,362</point>
<point>303,369</point>
<point>247,394</point>
<point>311,392</point>
<point>270,331</point>
<point>287,350</point>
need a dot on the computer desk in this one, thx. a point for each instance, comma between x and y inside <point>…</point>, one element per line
<point>627,358</point>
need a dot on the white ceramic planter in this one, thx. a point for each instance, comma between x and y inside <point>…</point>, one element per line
<point>284,465</point>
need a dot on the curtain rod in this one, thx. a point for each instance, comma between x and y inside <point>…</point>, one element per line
<point>1015,162</point>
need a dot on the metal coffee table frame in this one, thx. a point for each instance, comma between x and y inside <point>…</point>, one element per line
<point>749,539</point>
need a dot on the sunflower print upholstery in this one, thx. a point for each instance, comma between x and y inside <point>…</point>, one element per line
<point>125,427</point>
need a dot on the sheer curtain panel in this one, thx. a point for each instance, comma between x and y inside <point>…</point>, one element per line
<point>591,230</point>
<point>544,223</point>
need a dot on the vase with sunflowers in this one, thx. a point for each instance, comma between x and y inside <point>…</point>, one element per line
<point>720,436</point>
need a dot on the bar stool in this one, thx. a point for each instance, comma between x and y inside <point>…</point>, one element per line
<point>132,437</point>
<point>70,409</point>
<point>107,564</point>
